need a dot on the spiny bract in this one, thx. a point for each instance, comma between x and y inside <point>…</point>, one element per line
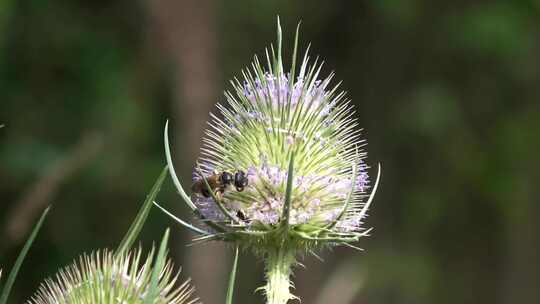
<point>295,137</point>
<point>103,278</point>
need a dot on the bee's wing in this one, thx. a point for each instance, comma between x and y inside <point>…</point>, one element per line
<point>196,176</point>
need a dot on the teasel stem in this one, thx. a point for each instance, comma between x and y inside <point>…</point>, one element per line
<point>279,262</point>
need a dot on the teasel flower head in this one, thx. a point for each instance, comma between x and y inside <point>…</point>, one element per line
<point>282,168</point>
<point>294,138</point>
<point>102,277</point>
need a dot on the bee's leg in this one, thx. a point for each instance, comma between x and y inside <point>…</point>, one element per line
<point>241,215</point>
<point>205,192</point>
<point>219,193</point>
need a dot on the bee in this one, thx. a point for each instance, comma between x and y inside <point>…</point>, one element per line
<point>219,182</point>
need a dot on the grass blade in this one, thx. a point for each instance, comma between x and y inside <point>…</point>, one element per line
<point>232,279</point>
<point>15,270</point>
<point>279,39</point>
<point>141,217</point>
<point>161,257</point>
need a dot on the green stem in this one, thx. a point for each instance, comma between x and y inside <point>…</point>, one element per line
<point>279,262</point>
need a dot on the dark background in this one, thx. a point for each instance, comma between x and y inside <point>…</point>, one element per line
<point>447,91</point>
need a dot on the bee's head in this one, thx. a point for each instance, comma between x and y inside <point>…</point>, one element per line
<point>240,179</point>
<point>226,178</point>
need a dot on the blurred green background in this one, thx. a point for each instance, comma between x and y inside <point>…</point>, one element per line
<point>448,93</point>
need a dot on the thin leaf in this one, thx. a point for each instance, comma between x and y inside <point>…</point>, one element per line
<point>351,246</point>
<point>208,237</point>
<point>161,258</point>
<point>141,217</point>
<point>279,38</point>
<point>174,177</point>
<point>292,75</point>
<point>372,195</point>
<point>181,222</point>
<point>332,239</point>
<point>179,187</point>
<point>293,65</point>
<point>15,270</point>
<point>232,279</point>
<point>288,194</point>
